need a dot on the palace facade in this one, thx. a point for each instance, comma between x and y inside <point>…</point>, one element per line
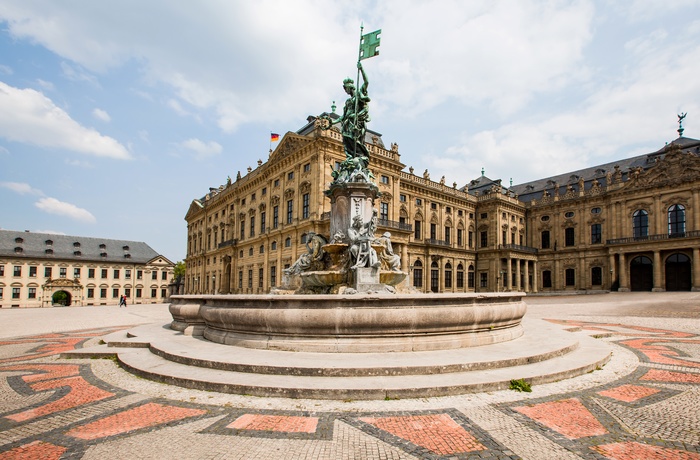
<point>632,224</point>
<point>44,270</point>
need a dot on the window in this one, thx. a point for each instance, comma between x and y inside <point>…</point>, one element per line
<point>596,276</point>
<point>91,272</point>
<point>275,216</point>
<point>138,292</point>
<point>544,218</point>
<point>448,275</point>
<point>471,239</point>
<point>62,272</point>
<point>305,206</point>
<point>154,275</point>
<point>433,205</point>
<point>263,192</point>
<point>260,277</point>
<point>250,251</point>
<point>448,209</point>
<point>164,276</point>
<point>418,274</point>
<point>139,274</point>
<point>433,231</point>
<point>262,222</point>
<point>163,293</point>
<point>2,270</point>
<point>273,276</point>
<point>273,246</point>
<point>676,220</point>
<point>242,228</point>
<point>384,211</point>
<point>460,241</point>
<point>460,276</point>
<point>290,211</point>
<point>32,293</point>
<point>91,293</point>
<point>419,202</point>
<point>417,230</point>
<point>154,293</point>
<point>596,210</point>
<point>127,274</point>
<point>448,235</point>
<point>288,242</point>
<point>240,279</point>
<point>262,249</point>
<point>569,239</point>
<point>569,214</point>
<point>570,274</point>
<point>402,198</point>
<point>17,270</point>
<point>385,179</point>
<point>252,198</point>
<point>103,293</point>
<point>276,183</point>
<point>115,293</point>
<point>32,272</point>
<point>483,279</point>
<point>546,279</point>
<point>47,272</point>
<point>116,274</point>
<point>242,204</point>
<point>250,279</point>
<point>484,239</point>
<point>252,226</point>
<point>545,239</point>
<point>0,293</point>
<point>127,292</point>
<point>290,175</point>
<point>470,277</point>
<point>104,273</point>
<point>640,223</point>
<point>15,293</point>
<point>76,273</point>
<point>596,234</point>
<point>484,215</point>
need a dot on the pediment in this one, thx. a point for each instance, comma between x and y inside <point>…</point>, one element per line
<point>291,142</point>
<point>674,169</point>
<point>195,207</point>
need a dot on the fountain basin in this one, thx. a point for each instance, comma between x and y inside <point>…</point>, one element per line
<point>361,323</point>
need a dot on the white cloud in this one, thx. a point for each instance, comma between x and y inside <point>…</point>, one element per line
<point>22,188</point>
<point>51,232</point>
<point>29,117</point>
<point>75,73</point>
<point>202,149</point>
<point>54,206</point>
<point>101,115</point>
<point>47,85</point>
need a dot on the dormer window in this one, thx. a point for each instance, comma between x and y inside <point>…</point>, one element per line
<point>77,253</point>
<point>48,251</point>
<point>127,256</point>
<point>19,240</point>
<point>48,243</point>
<point>18,250</point>
<point>76,245</point>
<point>126,248</point>
<point>103,254</point>
<point>103,246</point>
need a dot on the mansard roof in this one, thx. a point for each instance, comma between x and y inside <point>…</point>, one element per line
<point>17,244</point>
<point>533,190</point>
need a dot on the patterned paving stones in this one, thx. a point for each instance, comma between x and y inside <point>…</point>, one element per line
<point>645,404</point>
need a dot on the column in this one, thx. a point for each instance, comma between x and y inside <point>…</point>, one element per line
<point>624,281</point>
<point>611,269</point>
<point>535,271</point>
<point>657,273</point>
<point>509,274</point>
<point>527,276</point>
<point>517,276</point>
<point>696,269</point>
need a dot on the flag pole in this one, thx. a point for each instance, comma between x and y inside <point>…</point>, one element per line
<point>357,89</point>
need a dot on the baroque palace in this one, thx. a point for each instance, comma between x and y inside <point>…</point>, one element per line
<point>632,224</point>
<point>44,270</point>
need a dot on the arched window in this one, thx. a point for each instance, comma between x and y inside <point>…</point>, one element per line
<point>434,277</point>
<point>470,277</point>
<point>262,249</point>
<point>460,276</point>
<point>273,246</point>
<point>676,220</point>
<point>640,223</point>
<point>303,238</point>
<point>418,274</point>
<point>288,242</point>
<point>448,275</point>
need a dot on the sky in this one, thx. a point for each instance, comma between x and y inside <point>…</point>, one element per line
<point>114,116</point>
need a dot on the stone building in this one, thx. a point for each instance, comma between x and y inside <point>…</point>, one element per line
<point>43,270</point>
<point>624,225</point>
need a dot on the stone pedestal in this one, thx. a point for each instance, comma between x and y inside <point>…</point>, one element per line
<point>349,200</point>
<point>366,279</point>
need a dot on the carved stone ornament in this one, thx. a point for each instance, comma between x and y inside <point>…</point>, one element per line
<point>275,200</point>
<point>289,193</point>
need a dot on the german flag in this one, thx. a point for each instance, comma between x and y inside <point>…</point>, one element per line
<point>274,137</point>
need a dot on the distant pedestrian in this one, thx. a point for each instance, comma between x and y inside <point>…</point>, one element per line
<point>122,301</point>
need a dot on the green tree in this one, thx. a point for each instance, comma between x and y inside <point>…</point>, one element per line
<point>179,270</point>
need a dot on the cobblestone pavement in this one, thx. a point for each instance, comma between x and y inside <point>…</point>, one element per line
<point>644,404</point>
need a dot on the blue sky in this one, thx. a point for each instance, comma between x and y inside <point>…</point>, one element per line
<point>114,116</point>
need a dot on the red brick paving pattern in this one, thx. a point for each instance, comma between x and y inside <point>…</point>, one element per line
<point>81,392</point>
<point>284,423</point>
<point>568,417</point>
<point>44,371</point>
<point>35,450</point>
<point>439,433</point>
<point>147,415</point>
<point>657,375</point>
<point>629,393</point>
<point>635,450</point>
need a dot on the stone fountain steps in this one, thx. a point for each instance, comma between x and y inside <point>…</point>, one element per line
<point>166,356</point>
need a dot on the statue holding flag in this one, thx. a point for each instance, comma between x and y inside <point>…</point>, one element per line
<point>356,116</point>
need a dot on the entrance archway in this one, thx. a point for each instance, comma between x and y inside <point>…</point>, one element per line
<point>678,272</point>
<point>641,274</point>
<point>62,298</point>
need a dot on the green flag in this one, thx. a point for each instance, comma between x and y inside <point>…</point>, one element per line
<point>369,44</point>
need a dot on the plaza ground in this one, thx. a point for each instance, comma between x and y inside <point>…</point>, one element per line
<point>645,403</point>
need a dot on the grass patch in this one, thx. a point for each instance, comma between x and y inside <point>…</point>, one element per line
<point>520,385</point>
